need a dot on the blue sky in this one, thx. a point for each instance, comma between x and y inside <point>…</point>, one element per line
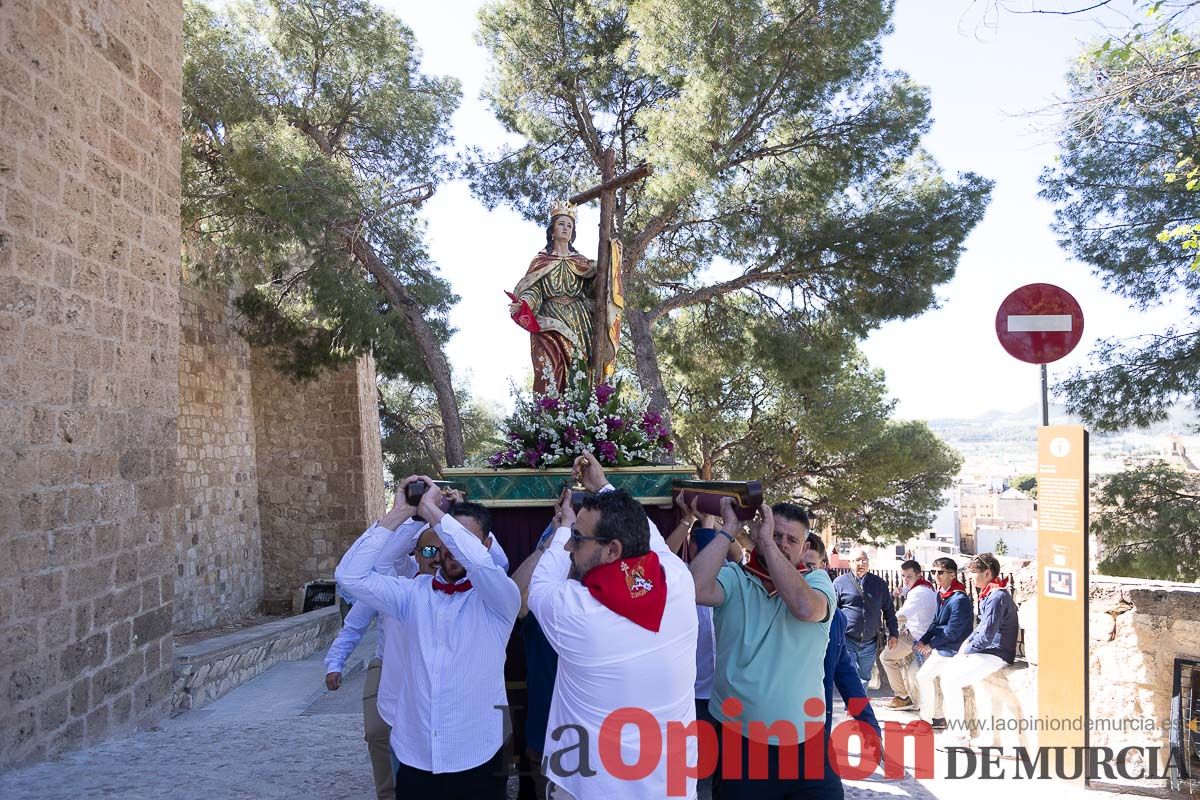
<point>985,80</point>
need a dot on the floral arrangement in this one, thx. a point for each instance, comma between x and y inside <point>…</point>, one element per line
<point>550,430</point>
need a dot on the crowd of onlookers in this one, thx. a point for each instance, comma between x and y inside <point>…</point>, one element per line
<point>711,624</point>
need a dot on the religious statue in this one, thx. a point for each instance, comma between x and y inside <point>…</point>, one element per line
<point>556,302</point>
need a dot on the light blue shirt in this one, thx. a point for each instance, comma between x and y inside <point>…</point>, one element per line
<point>354,626</point>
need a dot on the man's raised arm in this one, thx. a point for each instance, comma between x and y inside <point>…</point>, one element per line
<point>395,533</point>
<point>804,602</point>
<point>501,595</point>
<point>708,562</point>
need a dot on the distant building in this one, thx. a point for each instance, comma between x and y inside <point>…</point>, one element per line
<point>1014,507</point>
<point>975,503</point>
<point>1018,542</point>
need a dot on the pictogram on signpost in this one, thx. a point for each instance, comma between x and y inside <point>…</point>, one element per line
<point>1039,324</point>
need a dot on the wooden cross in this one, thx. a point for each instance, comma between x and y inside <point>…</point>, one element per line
<point>606,190</point>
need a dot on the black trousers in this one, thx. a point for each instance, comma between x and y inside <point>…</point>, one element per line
<point>488,781</point>
<point>772,787</point>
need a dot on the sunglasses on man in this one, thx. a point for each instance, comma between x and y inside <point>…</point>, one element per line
<point>428,551</point>
<point>577,537</point>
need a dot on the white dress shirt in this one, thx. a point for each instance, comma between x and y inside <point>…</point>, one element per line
<point>359,617</point>
<point>606,662</point>
<point>918,611</point>
<point>452,671</point>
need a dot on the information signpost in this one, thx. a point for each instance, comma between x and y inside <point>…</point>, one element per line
<point>1062,514</point>
<point>1039,324</point>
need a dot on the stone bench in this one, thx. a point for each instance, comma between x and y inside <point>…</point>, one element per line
<point>1010,694</point>
<point>211,668</point>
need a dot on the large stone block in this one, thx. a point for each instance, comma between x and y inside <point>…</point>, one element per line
<point>85,655</point>
<point>151,626</point>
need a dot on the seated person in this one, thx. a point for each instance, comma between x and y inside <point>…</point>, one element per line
<point>991,647</point>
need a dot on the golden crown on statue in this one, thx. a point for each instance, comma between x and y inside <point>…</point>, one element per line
<point>560,208</point>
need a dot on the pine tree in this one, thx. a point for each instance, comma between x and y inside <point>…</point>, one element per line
<point>786,157</point>
<point>309,138</point>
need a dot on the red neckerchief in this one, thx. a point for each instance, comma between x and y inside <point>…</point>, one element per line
<point>955,586</point>
<point>921,582</point>
<point>998,583</point>
<point>451,588</point>
<point>634,588</point>
<point>759,570</point>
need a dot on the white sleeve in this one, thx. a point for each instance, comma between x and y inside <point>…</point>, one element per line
<point>501,594</point>
<point>358,576</point>
<point>353,627</point>
<point>498,554</point>
<point>561,605</point>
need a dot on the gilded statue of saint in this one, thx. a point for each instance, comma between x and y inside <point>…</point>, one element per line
<point>555,302</point>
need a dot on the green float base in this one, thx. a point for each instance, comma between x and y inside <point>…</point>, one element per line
<point>531,488</point>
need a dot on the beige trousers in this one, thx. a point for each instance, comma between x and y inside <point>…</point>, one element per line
<point>376,733</point>
<point>901,667</point>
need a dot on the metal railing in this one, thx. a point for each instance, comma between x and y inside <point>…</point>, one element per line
<point>895,580</point>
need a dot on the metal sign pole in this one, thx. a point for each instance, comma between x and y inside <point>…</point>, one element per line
<point>1045,399</point>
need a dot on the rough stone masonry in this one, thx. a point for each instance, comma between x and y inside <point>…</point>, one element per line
<point>142,443</point>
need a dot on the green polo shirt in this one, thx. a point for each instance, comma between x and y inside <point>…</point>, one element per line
<point>766,658</point>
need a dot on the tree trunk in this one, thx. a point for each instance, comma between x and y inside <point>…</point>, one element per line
<point>435,359</point>
<point>646,360</point>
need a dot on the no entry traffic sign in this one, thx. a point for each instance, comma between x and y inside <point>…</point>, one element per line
<point>1039,323</point>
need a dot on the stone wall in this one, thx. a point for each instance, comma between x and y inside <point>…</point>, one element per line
<point>1137,630</point>
<point>219,552</point>
<point>89,269</point>
<point>318,484</point>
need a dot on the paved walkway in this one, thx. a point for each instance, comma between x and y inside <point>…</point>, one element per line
<point>283,737</point>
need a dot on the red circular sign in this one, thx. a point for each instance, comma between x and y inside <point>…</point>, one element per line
<point>1039,323</point>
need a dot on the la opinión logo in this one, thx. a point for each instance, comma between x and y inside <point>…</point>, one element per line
<point>674,746</point>
<point>676,742</point>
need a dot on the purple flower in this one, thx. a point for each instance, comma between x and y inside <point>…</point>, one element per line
<point>614,423</point>
<point>651,422</point>
<point>532,456</point>
<point>547,404</point>
<point>496,459</point>
<point>669,446</point>
<point>603,393</point>
<point>608,452</point>
<point>571,434</point>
